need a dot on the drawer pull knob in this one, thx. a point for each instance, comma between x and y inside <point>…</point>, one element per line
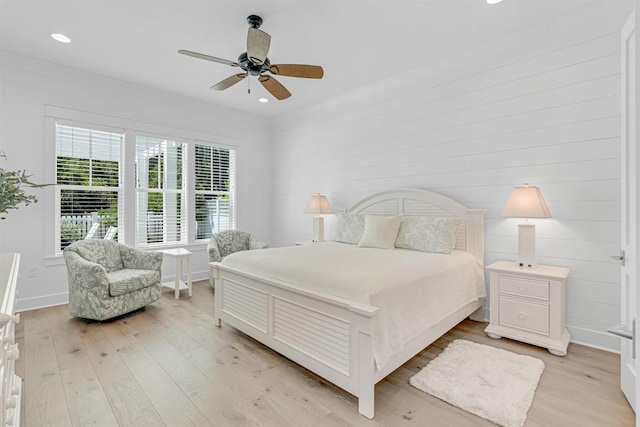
<point>9,339</point>
<point>522,316</point>
<point>11,402</point>
<point>16,318</point>
<point>13,353</point>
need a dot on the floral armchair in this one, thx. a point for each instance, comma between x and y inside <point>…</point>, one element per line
<point>230,241</point>
<point>109,279</point>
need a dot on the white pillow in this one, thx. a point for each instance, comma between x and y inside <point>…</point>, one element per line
<point>380,231</point>
<point>428,234</point>
<point>349,228</point>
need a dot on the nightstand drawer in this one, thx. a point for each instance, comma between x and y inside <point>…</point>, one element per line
<point>524,315</point>
<point>524,287</point>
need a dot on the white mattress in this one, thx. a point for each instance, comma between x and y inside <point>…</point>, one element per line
<point>413,290</point>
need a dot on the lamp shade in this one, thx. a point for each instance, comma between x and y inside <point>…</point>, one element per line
<point>526,202</point>
<point>318,204</point>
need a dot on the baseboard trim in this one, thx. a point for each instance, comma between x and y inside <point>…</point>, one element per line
<point>594,339</point>
<point>26,304</point>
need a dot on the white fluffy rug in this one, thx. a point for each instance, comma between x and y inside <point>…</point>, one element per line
<point>495,384</point>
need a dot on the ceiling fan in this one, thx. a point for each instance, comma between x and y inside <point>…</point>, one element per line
<point>254,62</point>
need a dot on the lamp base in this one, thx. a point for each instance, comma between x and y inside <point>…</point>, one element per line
<point>318,229</point>
<point>527,245</point>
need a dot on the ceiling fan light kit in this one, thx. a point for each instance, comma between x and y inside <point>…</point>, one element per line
<point>254,62</point>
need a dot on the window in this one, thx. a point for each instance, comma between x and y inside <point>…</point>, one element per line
<point>132,182</point>
<point>214,190</point>
<point>88,183</point>
<point>160,194</point>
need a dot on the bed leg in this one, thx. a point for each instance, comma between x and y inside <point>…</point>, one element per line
<point>366,395</point>
<point>217,303</point>
<point>365,406</point>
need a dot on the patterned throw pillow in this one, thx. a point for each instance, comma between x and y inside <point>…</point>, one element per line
<point>428,234</point>
<point>349,228</point>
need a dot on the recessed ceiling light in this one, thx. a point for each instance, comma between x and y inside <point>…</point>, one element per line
<point>263,100</point>
<point>61,38</point>
<point>493,1</point>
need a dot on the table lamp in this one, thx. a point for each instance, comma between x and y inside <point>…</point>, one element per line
<point>318,205</point>
<point>526,202</point>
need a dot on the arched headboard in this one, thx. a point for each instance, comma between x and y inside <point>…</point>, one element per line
<point>419,202</point>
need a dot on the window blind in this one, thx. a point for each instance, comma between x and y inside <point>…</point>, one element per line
<point>160,193</point>
<point>214,190</point>
<point>88,183</point>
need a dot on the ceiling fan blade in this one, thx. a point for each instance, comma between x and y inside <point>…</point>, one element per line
<point>208,57</point>
<point>228,82</point>
<point>258,43</point>
<point>274,87</point>
<point>297,70</point>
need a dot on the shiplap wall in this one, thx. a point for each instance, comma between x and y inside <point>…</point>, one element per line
<point>541,107</point>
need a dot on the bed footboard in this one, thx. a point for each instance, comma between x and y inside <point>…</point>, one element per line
<point>328,335</point>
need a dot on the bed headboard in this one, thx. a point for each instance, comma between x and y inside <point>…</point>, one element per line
<point>419,202</point>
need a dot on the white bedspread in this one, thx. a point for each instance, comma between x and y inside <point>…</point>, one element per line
<point>413,290</point>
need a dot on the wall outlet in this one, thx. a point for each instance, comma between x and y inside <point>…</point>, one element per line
<point>32,271</point>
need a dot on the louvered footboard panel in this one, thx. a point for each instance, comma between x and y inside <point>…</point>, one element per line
<point>323,337</point>
<point>246,304</point>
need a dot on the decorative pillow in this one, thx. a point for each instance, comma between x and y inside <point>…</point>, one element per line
<point>349,228</point>
<point>428,234</point>
<point>380,231</point>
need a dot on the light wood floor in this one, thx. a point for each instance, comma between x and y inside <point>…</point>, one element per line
<point>170,366</point>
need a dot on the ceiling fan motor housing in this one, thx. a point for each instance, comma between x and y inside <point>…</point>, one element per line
<point>251,67</point>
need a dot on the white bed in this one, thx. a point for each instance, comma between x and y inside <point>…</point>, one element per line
<point>353,326</point>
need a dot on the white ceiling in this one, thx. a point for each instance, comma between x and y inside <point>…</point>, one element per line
<point>357,42</point>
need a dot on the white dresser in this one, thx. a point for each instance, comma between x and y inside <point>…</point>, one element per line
<point>11,391</point>
<point>529,305</point>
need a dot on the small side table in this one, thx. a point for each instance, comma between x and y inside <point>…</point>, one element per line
<point>529,305</point>
<point>179,255</point>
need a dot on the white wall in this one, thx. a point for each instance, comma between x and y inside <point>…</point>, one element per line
<point>541,107</point>
<point>29,89</point>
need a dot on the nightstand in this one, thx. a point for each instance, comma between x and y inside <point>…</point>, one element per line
<point>529,305</point>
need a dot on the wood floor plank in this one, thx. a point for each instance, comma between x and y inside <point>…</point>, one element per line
<point>88,405</point>
<point>170,402</point>
<point>169,365</point>
<point>43,394</point>
<point>211,399</point>
<point>130,404</point>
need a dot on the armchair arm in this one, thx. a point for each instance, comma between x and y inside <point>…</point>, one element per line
<point>213,250</point>
<point>86,276</point>
<point>139,259</point>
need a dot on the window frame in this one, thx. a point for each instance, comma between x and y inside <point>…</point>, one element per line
<point>59,188</point>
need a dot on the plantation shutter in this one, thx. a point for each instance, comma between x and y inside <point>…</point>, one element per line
<point>88,183</point>
<point>214,190</point>
<point>160,193</point>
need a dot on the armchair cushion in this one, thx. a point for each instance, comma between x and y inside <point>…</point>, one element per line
<point>129,280</point>
<point>100,252</point>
